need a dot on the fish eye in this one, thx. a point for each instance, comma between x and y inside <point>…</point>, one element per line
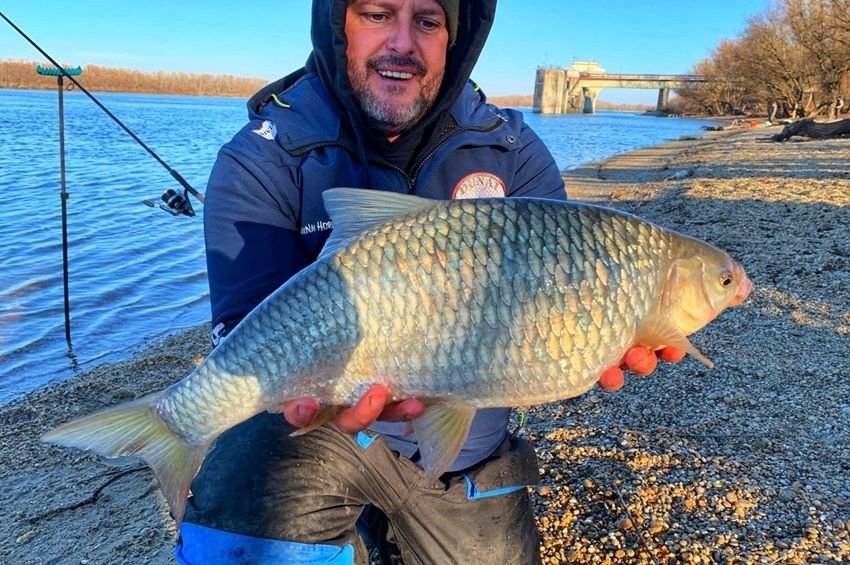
<point>726,278</point>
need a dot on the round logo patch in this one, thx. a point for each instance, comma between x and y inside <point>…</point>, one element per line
<point>479,185</point>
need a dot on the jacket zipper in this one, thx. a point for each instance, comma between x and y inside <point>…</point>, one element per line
<point>410,180</point>
<point>421,164</point>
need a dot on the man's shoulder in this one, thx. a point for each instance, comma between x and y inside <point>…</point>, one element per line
<point>293,113</point>
<point>472,109</point>
<point>299,90</point>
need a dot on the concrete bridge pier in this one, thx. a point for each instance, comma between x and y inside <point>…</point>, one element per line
<point>663,98</point>
<point>588,96</point>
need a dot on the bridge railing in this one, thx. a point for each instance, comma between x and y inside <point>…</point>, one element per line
<point>669,78</point>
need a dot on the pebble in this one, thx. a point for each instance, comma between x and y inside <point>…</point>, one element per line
<point>25,537</point>
<point>625,524</point>
<point>787,495</point>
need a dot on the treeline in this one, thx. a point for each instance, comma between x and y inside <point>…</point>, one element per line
<point>792,60</point>
<point>603,105</point>
<point>512,100</point>
<point>21,74</point>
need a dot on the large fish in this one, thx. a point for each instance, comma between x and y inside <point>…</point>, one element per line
<point>465,304</point>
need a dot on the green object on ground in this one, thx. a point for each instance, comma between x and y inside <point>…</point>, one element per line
<point>54,71</point>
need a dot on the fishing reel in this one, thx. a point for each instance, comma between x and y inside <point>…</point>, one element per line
<point>174,203</point>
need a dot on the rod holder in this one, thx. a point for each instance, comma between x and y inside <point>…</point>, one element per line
<point>60,73</point>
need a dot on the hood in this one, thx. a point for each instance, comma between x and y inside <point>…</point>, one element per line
<point>329,62</point>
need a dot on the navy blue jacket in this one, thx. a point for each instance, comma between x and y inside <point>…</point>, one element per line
<point>264,219</point>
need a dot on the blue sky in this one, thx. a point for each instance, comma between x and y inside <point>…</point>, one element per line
<point>267,39</point>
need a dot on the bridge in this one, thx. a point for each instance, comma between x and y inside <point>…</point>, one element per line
<point>573,90</point>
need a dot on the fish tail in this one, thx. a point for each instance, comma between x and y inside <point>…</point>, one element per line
<point>134,428</point>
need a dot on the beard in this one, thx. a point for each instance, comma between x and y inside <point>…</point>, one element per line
<point>384,115</point>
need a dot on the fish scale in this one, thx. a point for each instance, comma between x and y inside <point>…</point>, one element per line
<point>464,304</point>
<point>529,262</point>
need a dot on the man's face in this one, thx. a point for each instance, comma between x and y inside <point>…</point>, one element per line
<point>396,59</point>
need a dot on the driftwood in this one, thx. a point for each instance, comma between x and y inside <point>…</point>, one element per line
<point>814,130</point>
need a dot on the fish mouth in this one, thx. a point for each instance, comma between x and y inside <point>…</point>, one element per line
<point>744,290</point>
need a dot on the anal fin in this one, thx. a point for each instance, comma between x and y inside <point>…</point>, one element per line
<point>441,432</point>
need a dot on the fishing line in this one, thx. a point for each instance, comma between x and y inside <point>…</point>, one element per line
<point>170,197</point>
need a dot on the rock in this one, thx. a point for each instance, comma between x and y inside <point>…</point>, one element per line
<point>679,175</point>
<point>624,524</point>
<point>787,495</point>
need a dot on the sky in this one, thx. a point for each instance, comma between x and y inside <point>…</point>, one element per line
<point>269,38</point>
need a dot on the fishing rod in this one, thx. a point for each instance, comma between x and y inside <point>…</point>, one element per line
<point>175,204</point>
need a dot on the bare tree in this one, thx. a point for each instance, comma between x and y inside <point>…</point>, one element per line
<point>774,63</point>
<point>816,26</point>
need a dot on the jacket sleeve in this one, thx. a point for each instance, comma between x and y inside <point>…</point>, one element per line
<point>250,229</point>
<point>536,172</point>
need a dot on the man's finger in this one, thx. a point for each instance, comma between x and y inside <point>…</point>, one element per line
<point>403,411</point>
<point>301,412</point>
<point>361,415</point>
<point>612,379</point>
<point>671,354</point>
<point>640,360</point>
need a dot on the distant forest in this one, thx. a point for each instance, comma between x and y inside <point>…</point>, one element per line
<point>21,74</point>
<point>527,101</point>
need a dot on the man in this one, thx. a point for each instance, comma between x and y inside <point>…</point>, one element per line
<point>383,102</point>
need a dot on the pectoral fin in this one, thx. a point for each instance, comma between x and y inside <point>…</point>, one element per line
<point>325,415</point>
<point>441,432</point>
<point>656,332</point>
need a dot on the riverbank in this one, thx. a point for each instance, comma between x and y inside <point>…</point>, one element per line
<point>745,463</point>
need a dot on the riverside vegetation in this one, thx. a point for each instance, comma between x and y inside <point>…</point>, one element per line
<point>792,60</point>
<point>21,74</point>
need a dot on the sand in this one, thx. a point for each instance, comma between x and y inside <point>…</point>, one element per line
<point>745,463</point>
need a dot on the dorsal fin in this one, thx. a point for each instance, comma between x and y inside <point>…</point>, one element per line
<point>353,210</point>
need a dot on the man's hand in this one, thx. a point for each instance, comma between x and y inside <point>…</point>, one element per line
<point>371,406</point>
<point>640,361</point>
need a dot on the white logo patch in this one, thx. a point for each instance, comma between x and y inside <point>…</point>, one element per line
<point>321,225</point>
<point>479,185</point>
<point>268,130</point>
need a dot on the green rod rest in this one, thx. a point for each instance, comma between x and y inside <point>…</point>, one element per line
<point>55,72</point>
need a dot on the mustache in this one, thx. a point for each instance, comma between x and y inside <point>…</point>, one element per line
<point>397,61</point>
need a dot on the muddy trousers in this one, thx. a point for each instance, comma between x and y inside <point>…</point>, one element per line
<point>264,497</point>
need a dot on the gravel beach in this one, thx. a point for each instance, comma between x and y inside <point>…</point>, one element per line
<point>748,462</point>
